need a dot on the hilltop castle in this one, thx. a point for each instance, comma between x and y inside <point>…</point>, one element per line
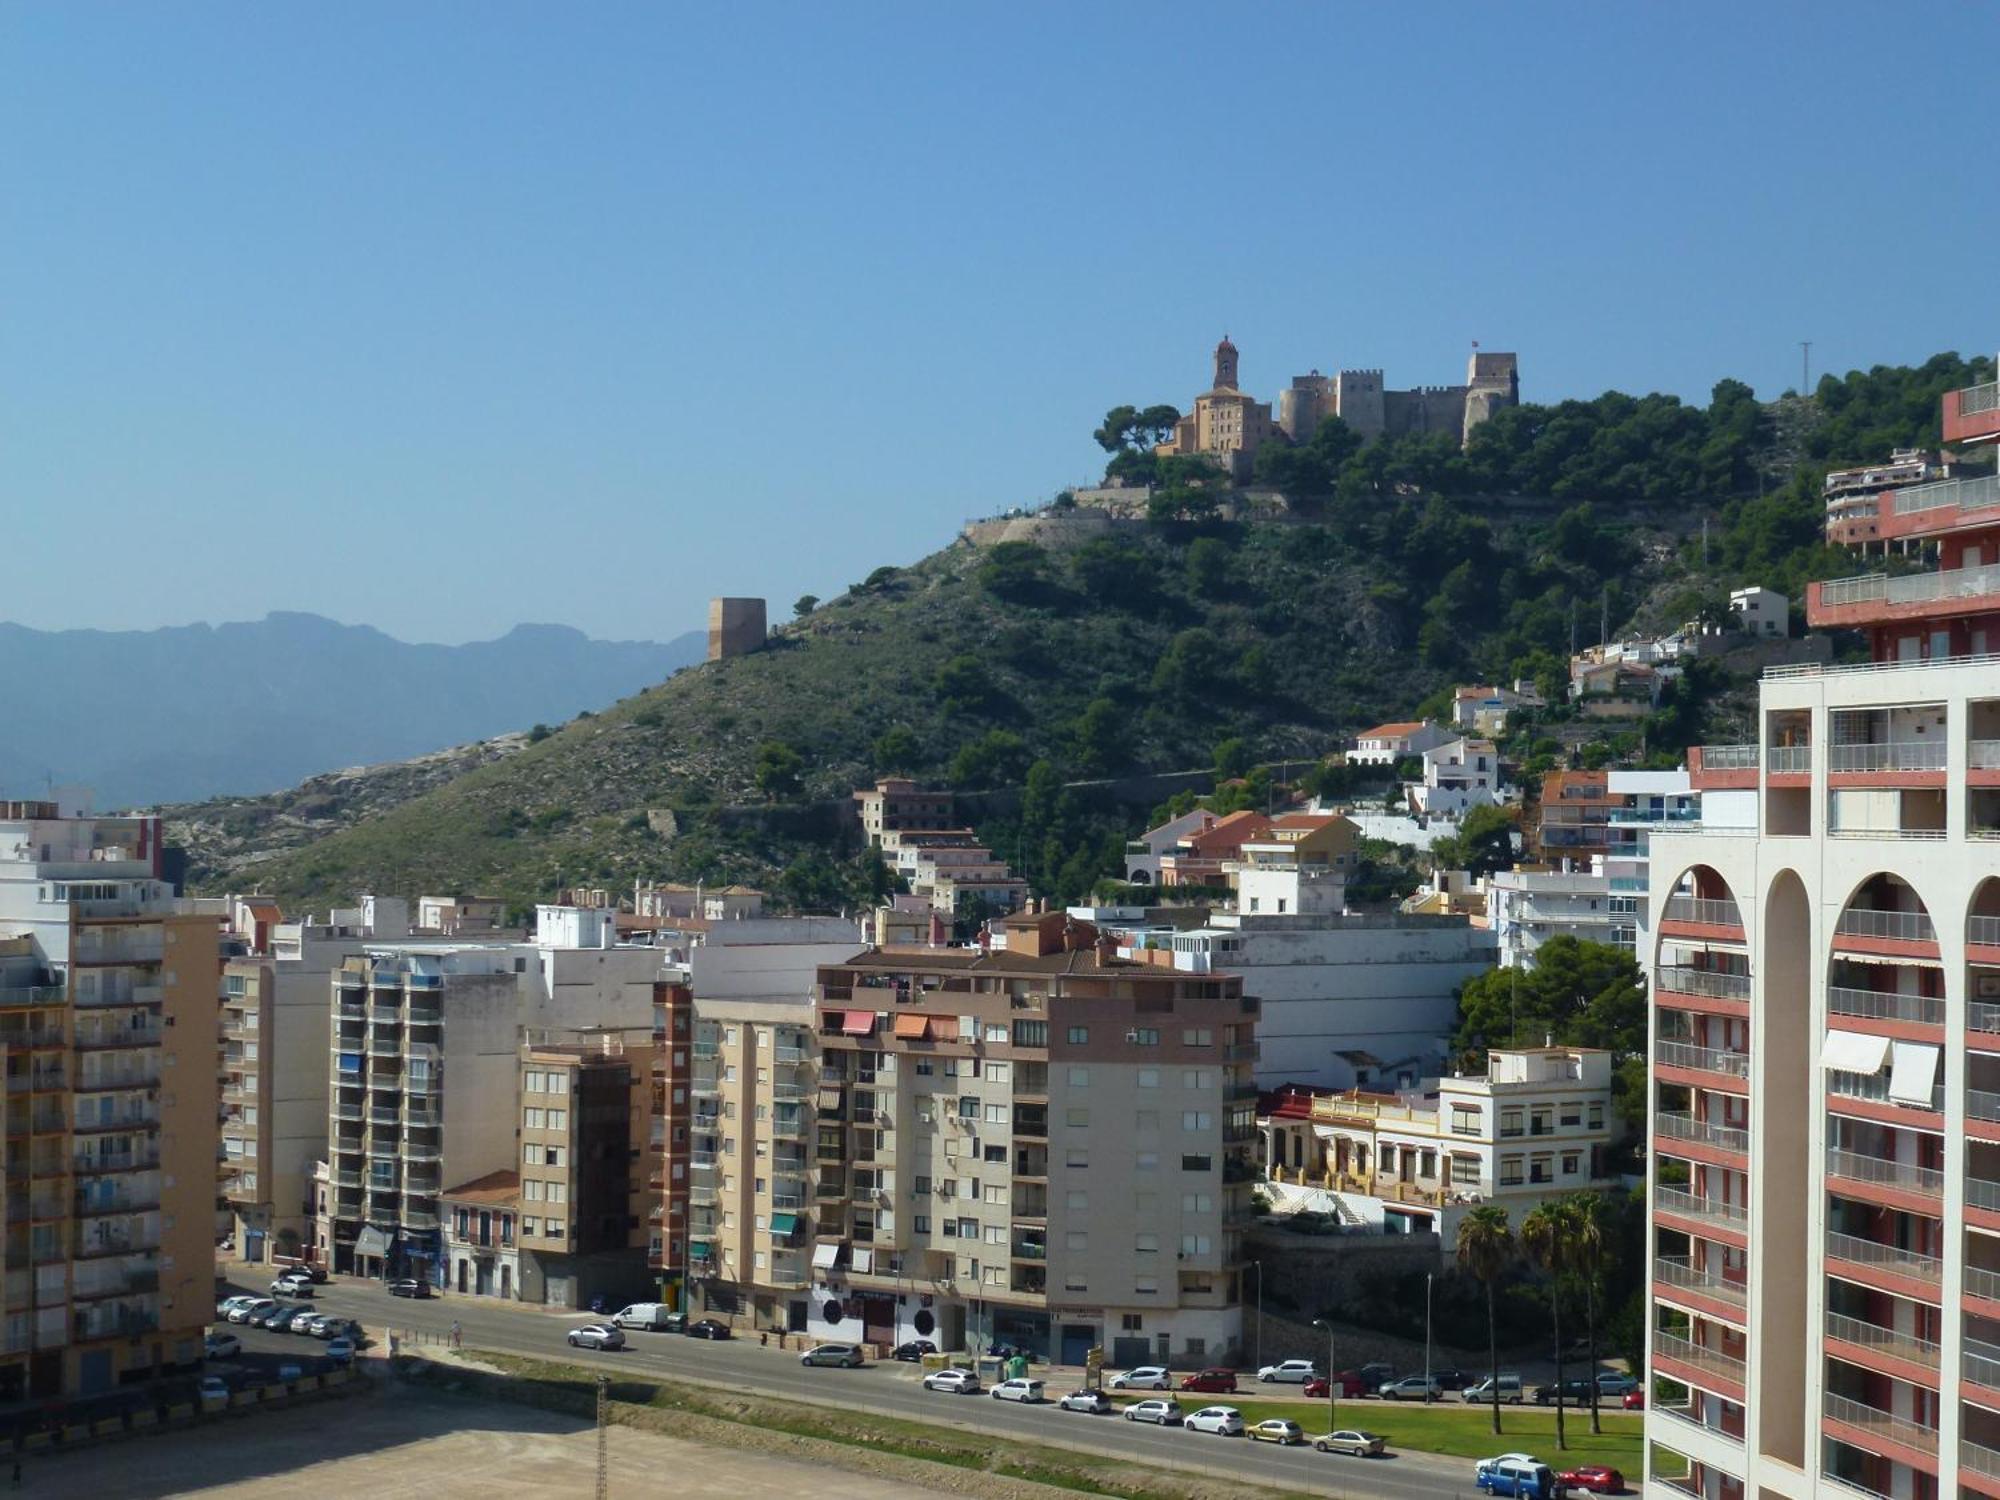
<point>1231,427</point>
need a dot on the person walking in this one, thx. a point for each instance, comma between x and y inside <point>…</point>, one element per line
<point>457,1337</point>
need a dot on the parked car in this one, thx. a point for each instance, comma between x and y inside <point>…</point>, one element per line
<point>1029,1391</point>
<point>1530,1480</point>
<point>335,1328</point>
<point>276,1316</point>
<point>596,1336</point>
<point>1449,1379</point>
<point>311,1270</point>
<point>842,1356</point>
<point>1350,1385</point>
<point>1353,1442</point>
<point>912,1351</point>
<point>409,1286</point>
<point>340,1351</point>
<point>1223,1421</point>
<point>214,1392</point>
<point>1596,1478</point>
<point>1570,1392</point>
<point>1163,1413</point>
<point>707,1328</point>
<point>1142,1378</point>
<point>1510,1389</point>
<point>1635,1399</point>
<point>958,1382</point>
<point>1411,1388</point>
<point>221,1346</point>
<point>1094,1402</point>
<point>229,1304</point>
<point>1215,1379</point>
<point>1615,1383</point>
<point>301,1321</point>
<point>1290,1372</point>
<point>243,1312</point>
<point>654,1317</point>
<point>1372,1376</point>
<point>1277,1430</point>
<point>1479,1469</point>
<point>292,1286</point>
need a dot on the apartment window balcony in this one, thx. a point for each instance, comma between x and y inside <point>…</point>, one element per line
<point>1670,1054</point>
<point>1889,755</point>
<point>1909,1347</point>
<point>1874,1088</point>
<point>1874,598</point>
<point>1698,1357</point>
<point>1856,1166</point>
<point>103,1320</point>
<point>790,1125</point>
<point>1898,926</point>
<point>1702,912</point>
<point>1675,1125</point>
<point>1680,1272</point>
<point>1681,979</point>
<point>1880,1005</point>
<point>704,1195</point>
<point>1856,1250</point>
<point>1879,1424</point>
<point>1688,1205</point>
<point>1976,1458</point>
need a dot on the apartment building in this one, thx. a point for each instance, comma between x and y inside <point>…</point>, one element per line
<point>1046,1145</point>
<point>459,916</point>
<point>1826,1101</point>
<point>669,1137</point>
<point>481,1242</point>
<point>1854,496</point>
<point>896,803</point>
<point>1458,775</point>
<point>1536,1124</point>
<point>1582,814</point>
<point>108,998</point>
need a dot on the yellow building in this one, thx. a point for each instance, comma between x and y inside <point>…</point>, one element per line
<point>1225,424</point>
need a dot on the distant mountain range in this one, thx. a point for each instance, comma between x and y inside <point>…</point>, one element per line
<point>191,711</point>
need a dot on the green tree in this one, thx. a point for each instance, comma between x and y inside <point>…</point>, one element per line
<point>1188,665</point>
<point>964,686</point>
<point>805,605</point>
<point>1098,737</point>
<point>1486,1248</point>
<point>1016,572</point>
<point>1116,573</point>
<point>1484,843</point>
<point>777,769</point>
<point>996,758</point>
<point>1208,565</point>
<point>1116,433</point>
<point>1592,1234</point>
<point>1548,1235</point>
<point>897,748</point>
<point>1233,758</point>
<point>1584,994</point>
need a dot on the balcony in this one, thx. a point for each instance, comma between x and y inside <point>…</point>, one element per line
<point>1855,1166</point>
<point>1693,1059</point>
<point>1873,1088</point>
<point>1680,1272</point>
<point>1970,415</point>
<point>1721,767</point>
<point>1885,926</point>
<point>1676,1125</point>
<point>1696,911</point>
<point>1712,1211</point>
<point>1881,1005</point>
<point>1888,1342</point>
<point>1878,598</point>
<point>1698,1357</point>
<point>1714,984</point>
<point>1788,760</point>
<point>1890,755</point>
<point>1911,1264</point>
<point>1879,1424</point>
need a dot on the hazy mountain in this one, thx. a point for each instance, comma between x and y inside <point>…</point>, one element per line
<point>190,711</point>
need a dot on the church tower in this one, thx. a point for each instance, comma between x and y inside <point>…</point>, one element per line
<point>1225,365</point>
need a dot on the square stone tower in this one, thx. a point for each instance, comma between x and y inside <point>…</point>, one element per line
<point>735,626</point>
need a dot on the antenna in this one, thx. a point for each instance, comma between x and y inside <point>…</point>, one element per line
<point>1604,617</point>
<point>1572,625</point>
<point>1805,367</point>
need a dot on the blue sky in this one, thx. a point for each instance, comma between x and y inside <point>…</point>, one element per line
<point>443,317</point>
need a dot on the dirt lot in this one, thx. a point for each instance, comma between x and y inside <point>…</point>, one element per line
<point>419,1444</point>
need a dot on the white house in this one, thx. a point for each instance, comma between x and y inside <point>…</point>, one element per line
<point>1458,774</point>
<point>1761,612</point>
<point>1386,744</point>
<point>1142,855</point>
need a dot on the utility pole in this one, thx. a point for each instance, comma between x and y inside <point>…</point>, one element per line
<point>1427,1336</point>
<point>1332,1377</point>
<point>603,1428</point>
<point>1805,367</point>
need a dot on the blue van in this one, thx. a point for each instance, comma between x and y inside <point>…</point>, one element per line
<point>1512,1477</point>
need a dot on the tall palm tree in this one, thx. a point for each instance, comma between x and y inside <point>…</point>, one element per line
<point>1548,1235</point>
<point>1485,1246</point>
<point>1590,1223</point>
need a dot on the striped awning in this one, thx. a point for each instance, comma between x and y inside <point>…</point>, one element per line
<point>857,1023</point>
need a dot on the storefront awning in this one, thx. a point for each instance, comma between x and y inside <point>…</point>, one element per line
<point>826,1257</point>
<point>857,1023</point>
<point>1914,1073</point>
<point>1855,1052</point>
<point>784,1224</point>
<point>371,1241</point>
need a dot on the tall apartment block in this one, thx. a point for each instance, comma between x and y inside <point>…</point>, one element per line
<point>108,990</point>
<point>1048,1146</point>
<point>1826,1035</point>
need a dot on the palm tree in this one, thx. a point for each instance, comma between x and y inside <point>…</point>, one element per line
<point>1590,1215</point>
<point>1548,1235</point>
<point>1485,1246</point>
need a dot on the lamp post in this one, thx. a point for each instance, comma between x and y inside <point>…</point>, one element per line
<point>1332,1377</point>
<point>1427,1336</point>
<point>1257,1329</point>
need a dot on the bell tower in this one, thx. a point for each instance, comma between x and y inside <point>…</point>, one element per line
<point>1225,365</point>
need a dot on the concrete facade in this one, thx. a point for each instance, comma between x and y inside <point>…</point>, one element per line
<point>735,627</point>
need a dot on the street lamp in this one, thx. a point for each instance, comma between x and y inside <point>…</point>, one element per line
<point>1332,1378</point>
<point>1257,1329</point>
<point>1427,1336</point>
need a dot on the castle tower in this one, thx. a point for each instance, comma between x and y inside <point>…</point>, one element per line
<point>1225,365</point>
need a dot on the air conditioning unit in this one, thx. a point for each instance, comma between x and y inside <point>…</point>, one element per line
<point>1132,1036</point>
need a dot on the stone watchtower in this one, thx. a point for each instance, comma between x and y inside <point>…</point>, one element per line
<point>735,627</point>
<point>1225,365</point>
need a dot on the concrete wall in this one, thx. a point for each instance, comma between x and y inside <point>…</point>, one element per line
<point>735,626</point>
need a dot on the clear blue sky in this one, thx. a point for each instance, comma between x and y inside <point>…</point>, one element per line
<point>444,316</point>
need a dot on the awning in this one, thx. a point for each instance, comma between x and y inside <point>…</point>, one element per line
<point>829,1099</point>
<point>784,1223</point>
<point>1856,1052</point>
<point>864,1260</point>
<point>826,1257</point>
<point>698,1250</point>
<point>857,1023</point>
<point>913,1028</point>
<point>1914,1073</point>
<point>371,1241</point>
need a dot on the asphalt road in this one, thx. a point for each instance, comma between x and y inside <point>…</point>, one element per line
<point>886,1388</point>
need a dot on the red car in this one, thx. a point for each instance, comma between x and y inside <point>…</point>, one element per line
<point>1350,1386</point>
<point>1593,1477</point>
<point>1635,1400</point>
<point>1211,1380</point>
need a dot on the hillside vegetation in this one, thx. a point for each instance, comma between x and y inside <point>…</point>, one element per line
<point>1143,651</point>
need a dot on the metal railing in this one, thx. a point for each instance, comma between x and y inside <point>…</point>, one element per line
<point>1984,931</point>
<point>1788,760</point>
<point>1975,1458</point>
<point>1729,757</point>
<point>1981,1363</point>
<point>1974,399</point>
<point>1903,926</point>
<point>1856,1166</point>
<point>1890,755</point>
<point>1880,1005</point>
<point>1874,1420</point>
<point>1701,1059</point>
<point>1694,1206</point>
<point>1865,1252</point>
<point>1874,1087</point>
<point>1680,1271</point>
<point>1980,1193</point>
<point>1982,1105</point>
<point>1981,1282</point>
<point>1682,979</point>
<point>1980,493</point>
<point>1909,1346</point>
<point>1700,1356</point>
<point>1709,913</point>
<point>1678,1126</point>
<point>1917,588</point>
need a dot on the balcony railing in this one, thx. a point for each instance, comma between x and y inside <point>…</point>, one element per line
<point>1874,1087</point>
<point>1856,1166</point>
<point>1967,494</point>
<point>1974,1458</point>
<point>1982,1363</point>
<point>1979,1193</point>
<point>1694,1206</point>
<point>1708,913</point>
<point>1676,1125</point>
<point>1983,1283</point>
<point>1701,1059</point>
<point>1865,1252</point>
<point>1680,1271</point>
<point>1681,979</point>
<point>1788,760</point>
<point>1880,1005</point>
<point>1909,1346</point>
<point>1881,1423</point>
<point>1901,926</point>
<point>1700,1356</point>
<point>1917,588</point>
<point>1729,757</point>
<point>1893,755</point>
<point>1984,931</point>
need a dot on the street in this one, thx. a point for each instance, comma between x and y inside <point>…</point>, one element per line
<point>887,1388</point>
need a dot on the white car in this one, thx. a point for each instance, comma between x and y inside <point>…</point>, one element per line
<point>214,1391</point>
<point>1164,1413</point>
<point>1095,1402</point>
<point>221,1346</point>
<point>292,1286</point>
<point>1018,1390</point>
<point>1223,1421</point>
<point>1291,1372</point>
<point>958,1382</point>
<point>340,1351</point>
<point>1486,1465</point>
<point>256,1307</point>
<point>1144,1378</point>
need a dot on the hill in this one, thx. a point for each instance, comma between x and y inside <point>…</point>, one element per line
<point>1064,652</point>
<point>255,706</point>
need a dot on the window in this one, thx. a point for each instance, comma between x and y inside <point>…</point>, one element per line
<point>1541,1169</point>
<point>530,1224</point>
<point>1538,1121</point>
<point>1597,1116</point>
<point>996,1275</point>
<point>1149,1078</point>
<point>996,1072</point>
<point>1145,1244</point>
<point>558,1083</point>
<point>997,1114</point>
<point>1510,1171</point>
<point>1145,1204</point>
<point>1146,1161</point>
<point>1076,1239</point>
<point>968,1229</point>
<point>1077,1119</point>
<point>1197,1203</point>
<point>1465,1119</point>
<point>531,1119</point>
<point>947,1187</point>
<point>552,1156</point>
<point>996,1194</point>
<point>1198,1078</point>
<point>1146,1284</point>
<point>1078,1035</point>
<point>924,1067</point>
<point>531,1082</point>
<point>1079,1157</point>
<point>1194,1244</point>
<point>1510,1122</point>
<point>1079,1078</point>
<point>1572,1114</point>
<point>1132,1323</point>
<point>1031,1033</point>
<point>1143,1036</point>
<point>951,1229</point>
<point>729,1145</point>
<point>921,1223</point>
<point>729,1036</point>
<point>921,1186</point>
<point>995,1154</point>
<point>997,1034</point>
<point>968,1107</point>
<point>533,1189</point>
<point>1197,1036</point>
<point>1465,1170</point>
<point>1196,1163</point>
<point>1073,1282</point>
<point>1197,1119</point>
<point>972,1190</point>
<point>996,1234</point>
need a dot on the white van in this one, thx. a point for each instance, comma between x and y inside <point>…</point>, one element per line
<point>654,1317</point>
<point>1510,1390</point>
